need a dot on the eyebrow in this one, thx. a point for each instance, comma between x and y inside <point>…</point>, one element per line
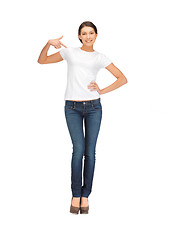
<point>90,31</point>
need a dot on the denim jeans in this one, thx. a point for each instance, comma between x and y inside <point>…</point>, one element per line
<point>89,112</point>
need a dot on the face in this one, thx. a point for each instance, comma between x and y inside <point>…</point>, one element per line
<point>88,36</point>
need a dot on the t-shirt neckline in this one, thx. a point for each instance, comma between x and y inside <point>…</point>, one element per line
<point>85,51</point>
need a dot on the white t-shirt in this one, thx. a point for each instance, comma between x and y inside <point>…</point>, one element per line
<point>82,69</point>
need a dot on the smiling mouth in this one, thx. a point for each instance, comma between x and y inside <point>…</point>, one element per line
<point>89,41</point>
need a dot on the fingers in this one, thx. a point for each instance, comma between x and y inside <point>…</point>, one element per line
<point>60,37</point>
<point>62,44</point>
<point>93,86</point>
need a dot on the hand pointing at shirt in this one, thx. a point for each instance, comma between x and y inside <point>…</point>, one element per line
<point>56,42</point>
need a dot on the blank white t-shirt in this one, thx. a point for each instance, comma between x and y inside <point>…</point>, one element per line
<point>82,69</point>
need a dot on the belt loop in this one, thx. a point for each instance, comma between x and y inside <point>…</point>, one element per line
<point>74,105</point>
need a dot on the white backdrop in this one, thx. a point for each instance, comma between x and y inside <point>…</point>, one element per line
<point>131,195</point>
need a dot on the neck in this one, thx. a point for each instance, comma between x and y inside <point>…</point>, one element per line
<point>87,48</point>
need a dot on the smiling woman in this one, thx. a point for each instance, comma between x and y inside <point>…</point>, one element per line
<point>87,33</point>
<point>82,102</point>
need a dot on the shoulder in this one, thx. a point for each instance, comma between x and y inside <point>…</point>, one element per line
<point>103,60</point>
<point>69,49</point>
<point>65,52</point>
<point>100,55</point>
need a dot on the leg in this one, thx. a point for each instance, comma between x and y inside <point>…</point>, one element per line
<point>92,127</point>
<point>74,121</point>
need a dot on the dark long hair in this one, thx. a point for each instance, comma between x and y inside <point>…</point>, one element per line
<point>87,24</point>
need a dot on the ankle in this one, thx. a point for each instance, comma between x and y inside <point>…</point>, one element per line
<point>85,199</point>
<point>75,201</point>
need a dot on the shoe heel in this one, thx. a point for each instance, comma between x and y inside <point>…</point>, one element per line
<point>74,210</point>
<point>84,210</point>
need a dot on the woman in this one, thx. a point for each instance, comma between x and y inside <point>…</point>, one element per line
<point>82,102</point>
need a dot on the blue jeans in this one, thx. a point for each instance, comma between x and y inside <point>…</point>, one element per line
<point>75,112</point>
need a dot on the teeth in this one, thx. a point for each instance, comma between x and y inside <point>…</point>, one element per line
<point>88,41</point>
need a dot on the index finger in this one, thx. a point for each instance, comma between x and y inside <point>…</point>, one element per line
<point>62,44</point>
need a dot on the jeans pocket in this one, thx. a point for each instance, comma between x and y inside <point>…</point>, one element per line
<point>97,106</point>
<point>68,107</point>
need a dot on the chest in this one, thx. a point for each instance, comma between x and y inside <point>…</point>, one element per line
<point>85,62</point>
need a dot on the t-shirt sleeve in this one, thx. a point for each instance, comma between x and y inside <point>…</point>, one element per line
<point>104,61</point>
<point>64,53</point>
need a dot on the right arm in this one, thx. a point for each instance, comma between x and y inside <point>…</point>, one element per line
<point>56,57</point>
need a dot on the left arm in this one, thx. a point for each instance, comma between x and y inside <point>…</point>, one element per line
<point>121,80</point>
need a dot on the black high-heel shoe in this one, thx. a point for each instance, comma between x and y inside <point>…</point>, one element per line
<point>73,209</point>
